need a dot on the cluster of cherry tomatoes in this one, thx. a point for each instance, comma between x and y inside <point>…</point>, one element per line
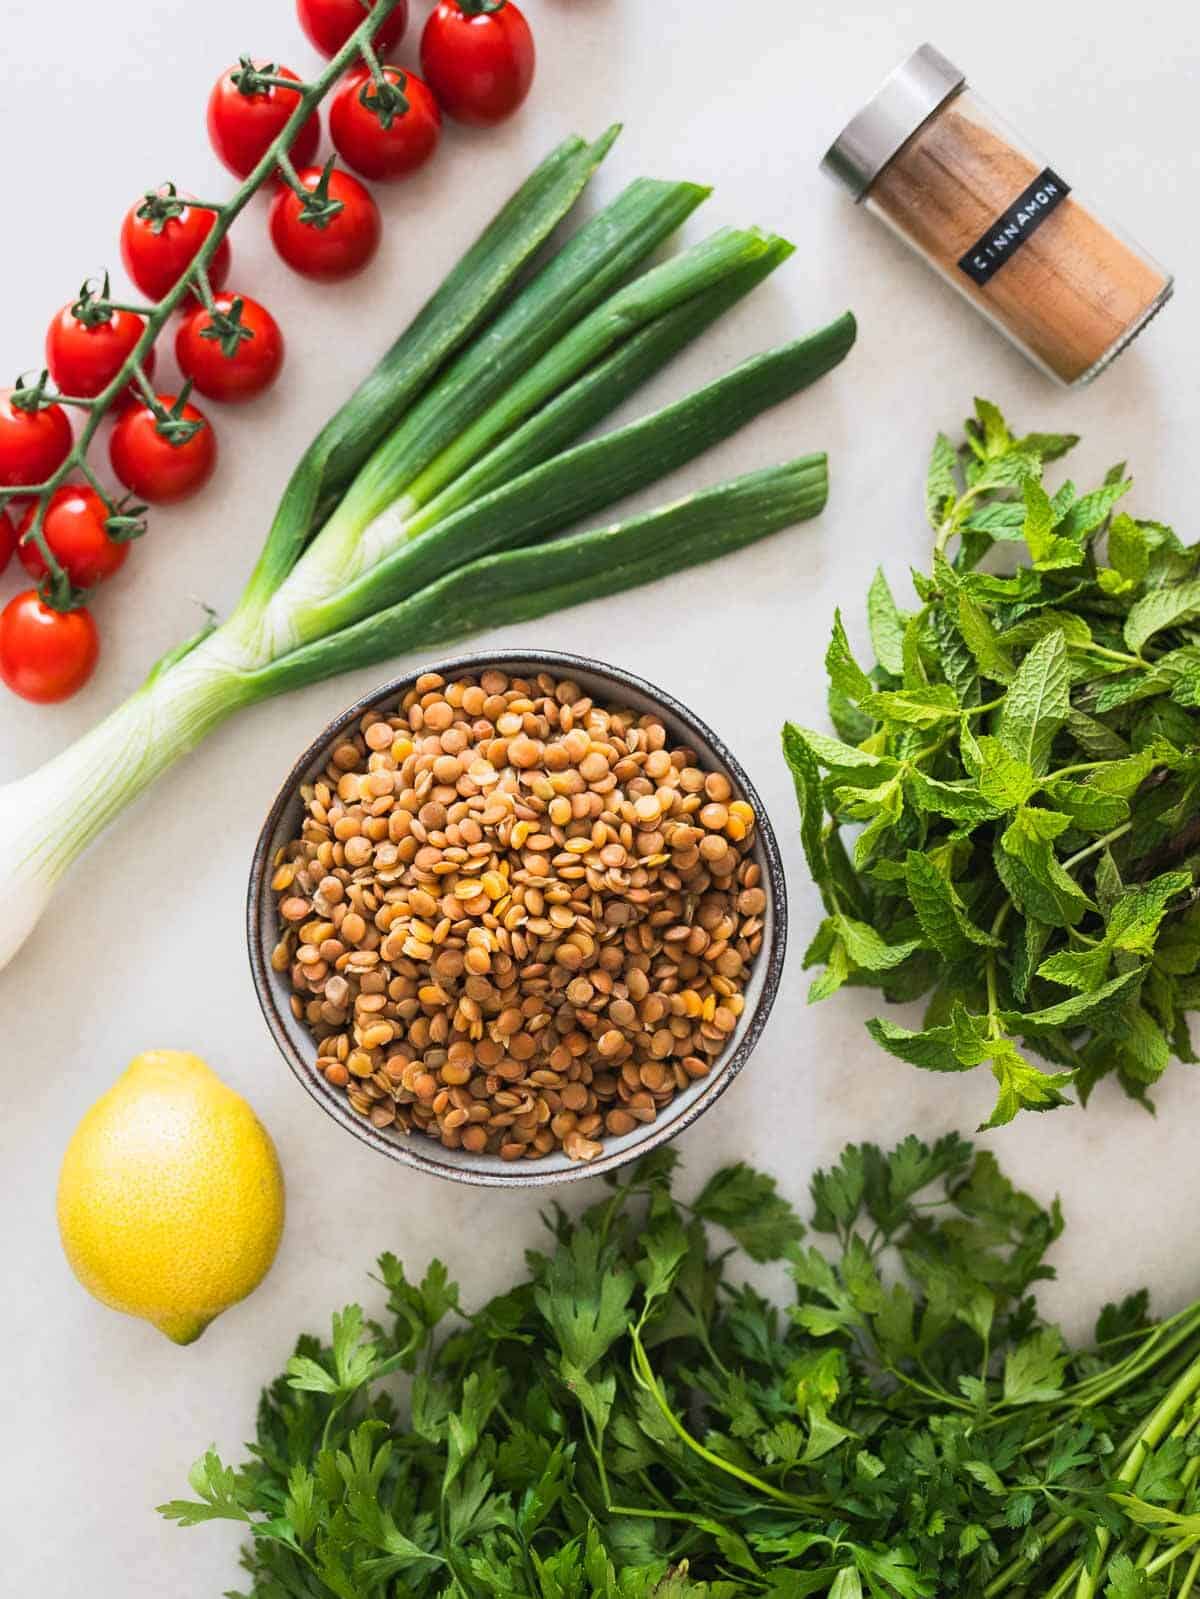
<point>477,63</point>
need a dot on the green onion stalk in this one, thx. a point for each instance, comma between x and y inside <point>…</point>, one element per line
<point>443,496</point>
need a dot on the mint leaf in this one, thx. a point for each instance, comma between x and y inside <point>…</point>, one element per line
<point>990,429</point>
<point>868,950</point>
<point>991,657</point>
<point>1003,519</point>
<point>845,674</point>
<point>926,707</point>
<point>807,779</point>
<point>1022,1086</point>
<point>887,625</point>
<point>1090,511</point>
<point>1048,446</point>
<point>1074,629</point>
<point>932,1049</point>
<point>939,910</point>
<point>941,484</point>
<point>1004,779</point>
<point>834,752</point>
<point>1050,551</point>
<point>1162,608</point>
<point>1088,807</point>
<point>960,801</point>
<point>1037,704</point>
<point>1128,550</point>
<point>1093,1007</point>
<point>1031,872</point>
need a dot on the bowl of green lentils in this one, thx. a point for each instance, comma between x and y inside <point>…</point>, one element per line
<point>516,920</point>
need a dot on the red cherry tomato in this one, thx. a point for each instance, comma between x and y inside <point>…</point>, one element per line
<point>46,655</point>
<point>365,144</point>
<point>157,253</point>
<point>242,126</point>
<point>84,360</point>
<point>74,525</point>
<point>33,444</point>
<point>340,248</point>
<point>479,63</point>
<point>329,23</point>
<point>8,540</point>
<point>154,468</point>
<point>254,364</point>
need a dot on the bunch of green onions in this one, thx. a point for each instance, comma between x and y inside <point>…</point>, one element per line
<point>426,508</point>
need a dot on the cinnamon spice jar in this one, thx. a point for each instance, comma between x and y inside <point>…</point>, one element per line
<point>930,159</point>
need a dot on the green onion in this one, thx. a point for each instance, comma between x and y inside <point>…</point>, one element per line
<point>439,499</point>
<point>589,477</point>
<point>519,585</point>
<point>600,390</point>
<point>465,300</point>
<point>375,514</point>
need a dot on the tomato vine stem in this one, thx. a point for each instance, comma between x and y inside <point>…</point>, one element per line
<point>310,96</point>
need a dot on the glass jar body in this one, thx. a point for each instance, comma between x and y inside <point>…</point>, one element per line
<point>1008,233</point>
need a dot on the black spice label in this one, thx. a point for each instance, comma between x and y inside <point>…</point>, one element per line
<point>1008,232</point>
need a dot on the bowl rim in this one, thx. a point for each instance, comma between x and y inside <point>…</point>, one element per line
<point>525,1174</point>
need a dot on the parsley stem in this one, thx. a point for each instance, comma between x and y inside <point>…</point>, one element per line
<point>1189,1581</point>
<point>1187,1481</point>
<point>334,1411</point>
<point>649,1515</point>
<point>644,1376</point>
<point>594,1438</point>
<point>1147,1440</point>
<point>939,1396</point>
<point>1016,1568</point>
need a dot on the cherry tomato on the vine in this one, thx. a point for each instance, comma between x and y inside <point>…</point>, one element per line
<point>329,23</point>
<point>8,539</point>
<point>225,364</point>
<point>413,128</point>
<point>75,528</point>
<point>154,467</point>
<point>245,117</point>
<point>157,252</point>
<point>33,444</point>
<point>478,58</point>
<point>83,359</point>
<point>46,655</point>
<point>336,248</point>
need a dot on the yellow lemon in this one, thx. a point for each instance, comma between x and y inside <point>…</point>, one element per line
<point>170,1199</point>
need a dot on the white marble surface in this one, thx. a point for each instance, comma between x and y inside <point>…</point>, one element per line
<point>101,1416</point>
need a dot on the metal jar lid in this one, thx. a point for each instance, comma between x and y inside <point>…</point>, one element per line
<point>907,98</point>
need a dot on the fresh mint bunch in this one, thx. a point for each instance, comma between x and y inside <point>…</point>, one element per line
<point>1008,821</point>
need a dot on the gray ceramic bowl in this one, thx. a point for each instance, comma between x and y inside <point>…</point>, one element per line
<point>607,684</point>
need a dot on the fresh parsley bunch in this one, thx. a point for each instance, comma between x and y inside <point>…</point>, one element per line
<point>1009,818</point>
<point>631,1421</point>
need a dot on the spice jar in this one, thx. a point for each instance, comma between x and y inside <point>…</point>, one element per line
<point>935,163</point>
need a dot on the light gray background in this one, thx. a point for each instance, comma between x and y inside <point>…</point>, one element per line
<point>101,1416</point>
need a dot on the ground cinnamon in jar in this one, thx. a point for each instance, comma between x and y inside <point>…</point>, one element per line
<point>934,163</point>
